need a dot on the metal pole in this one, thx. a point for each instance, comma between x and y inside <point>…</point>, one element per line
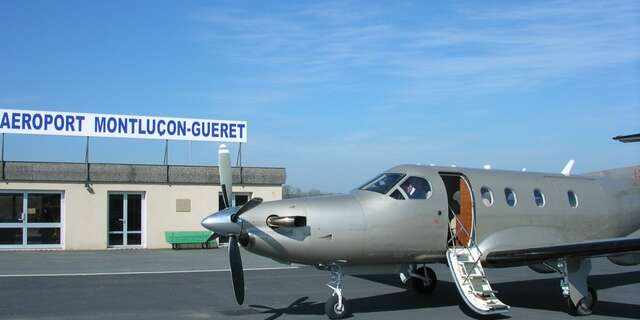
<point>166,157</point>
<point>86,152</point>
<point>3,166</point>
<point>239,161</point>
<point>166,152</point>
<point>86,161</point>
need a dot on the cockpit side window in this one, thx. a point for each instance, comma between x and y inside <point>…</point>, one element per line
<point>416,188</point>
<point>397,195</point>
<point>383,183</point>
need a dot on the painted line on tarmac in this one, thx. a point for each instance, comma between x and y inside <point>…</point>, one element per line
<point>135,272</point>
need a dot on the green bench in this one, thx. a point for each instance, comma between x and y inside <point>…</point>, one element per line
<point>179,238</point>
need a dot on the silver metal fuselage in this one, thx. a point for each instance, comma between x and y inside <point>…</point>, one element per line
<point>369,228</point>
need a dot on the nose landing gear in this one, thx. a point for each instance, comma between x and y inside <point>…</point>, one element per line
<point>337,306</point>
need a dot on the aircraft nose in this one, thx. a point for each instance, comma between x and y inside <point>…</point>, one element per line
<point>221,223</point>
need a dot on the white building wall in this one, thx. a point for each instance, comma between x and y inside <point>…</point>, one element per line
<point>84,215</point>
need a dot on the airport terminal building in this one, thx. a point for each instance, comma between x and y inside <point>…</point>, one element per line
<point>91,206</point>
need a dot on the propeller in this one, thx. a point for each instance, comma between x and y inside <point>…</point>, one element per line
<point>235,261</point>
<point>225,222</point>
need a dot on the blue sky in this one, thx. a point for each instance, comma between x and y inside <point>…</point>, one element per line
<point>336,91</point>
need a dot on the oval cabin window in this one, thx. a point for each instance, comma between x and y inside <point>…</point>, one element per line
<point>573,199</point>
<point>510,197</point>
<point>538,196</point>
<point>487,196</point>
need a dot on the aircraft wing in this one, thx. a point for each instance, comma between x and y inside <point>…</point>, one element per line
<point>522,257</point>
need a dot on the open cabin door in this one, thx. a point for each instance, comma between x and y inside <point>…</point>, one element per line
<point>463,254</point>
<point>461,211</point>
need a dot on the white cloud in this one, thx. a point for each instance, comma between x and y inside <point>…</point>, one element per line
<point>481,49</point>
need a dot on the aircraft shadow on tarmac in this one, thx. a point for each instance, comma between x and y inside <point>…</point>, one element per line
<point>542,294</point>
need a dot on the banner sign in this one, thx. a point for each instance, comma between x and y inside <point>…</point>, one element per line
<point>120,126</point>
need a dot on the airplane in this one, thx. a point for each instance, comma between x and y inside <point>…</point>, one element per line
<point>411,215</point>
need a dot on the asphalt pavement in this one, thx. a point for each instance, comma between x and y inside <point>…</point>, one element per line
<point>194,284</point>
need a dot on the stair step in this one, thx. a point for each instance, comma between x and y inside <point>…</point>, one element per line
<point>471,281</point>
<point>470,276</point>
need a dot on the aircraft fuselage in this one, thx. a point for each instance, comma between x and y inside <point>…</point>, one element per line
<point>371,228</point>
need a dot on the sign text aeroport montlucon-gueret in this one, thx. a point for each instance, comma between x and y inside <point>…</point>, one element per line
<point>120,126</point>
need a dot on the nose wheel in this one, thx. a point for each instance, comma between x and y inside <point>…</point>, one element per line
<point>337,306</point>
<point>335,309</point>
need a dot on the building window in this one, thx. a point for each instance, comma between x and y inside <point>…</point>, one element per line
<point>239,197</point>
<point>538,197</point>
<point>487,196</point>
<point>510,197</point>
<point>573,199</point>
<point>30,219</point>
<point>44,207</point>
<point>125,216</point>
<point>11,205</point>
<point>416,188</point>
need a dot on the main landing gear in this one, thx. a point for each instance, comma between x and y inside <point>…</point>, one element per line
<point>580,297</point>
<point>421,279</point>
<point>337,306</point>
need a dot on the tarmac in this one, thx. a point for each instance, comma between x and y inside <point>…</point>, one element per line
<point>195,284</point>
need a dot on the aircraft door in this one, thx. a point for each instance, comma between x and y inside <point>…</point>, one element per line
<point>460,209</point>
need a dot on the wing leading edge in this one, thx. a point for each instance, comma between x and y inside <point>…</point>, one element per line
<point>523,257</point>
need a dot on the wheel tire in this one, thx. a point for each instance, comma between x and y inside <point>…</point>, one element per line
<point>331,308</point>
<point>585,305</point>
<point>420,286</point>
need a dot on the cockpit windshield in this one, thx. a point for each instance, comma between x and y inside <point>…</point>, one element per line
<point>382,183</point>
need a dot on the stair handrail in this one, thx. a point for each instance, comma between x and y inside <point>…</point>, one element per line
<point>472,240</point>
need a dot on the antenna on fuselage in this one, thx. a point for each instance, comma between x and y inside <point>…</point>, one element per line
<point>567,168</point>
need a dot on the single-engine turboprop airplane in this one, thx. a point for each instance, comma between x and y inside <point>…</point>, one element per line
<point>410,216</point>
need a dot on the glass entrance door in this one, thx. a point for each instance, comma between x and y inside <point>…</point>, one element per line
<point>30,219</point>
<point>125,219</point>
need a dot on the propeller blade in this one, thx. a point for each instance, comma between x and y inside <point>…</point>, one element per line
<point>246,207</point>
<point>225,200</point>
<point>235,264</point>
<point>226,175</point>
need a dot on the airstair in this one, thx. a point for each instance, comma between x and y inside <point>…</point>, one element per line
<point>469,276</point>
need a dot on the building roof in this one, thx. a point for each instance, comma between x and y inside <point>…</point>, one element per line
<point>628,138</point>
<point>21,171</point>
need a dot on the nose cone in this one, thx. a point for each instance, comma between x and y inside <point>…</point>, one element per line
<point>221,223</point>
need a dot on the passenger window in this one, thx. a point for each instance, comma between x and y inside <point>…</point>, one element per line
<point>416,188</point>
<point>397,195</point>
<point>487,196</point>
<point>510,196</point>
<point>573,199</point>
<point>538,196</point>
